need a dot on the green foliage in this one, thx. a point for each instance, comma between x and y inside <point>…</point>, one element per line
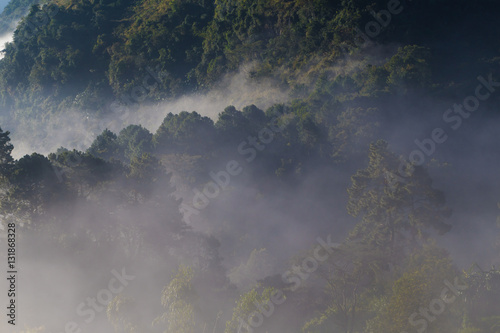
<point>46,64</point>
<point>391,205</point>
<point>355,128</point>
<point>167,33</point>
<point>133,141</point>
<point>93,52</point>
<point>33,189</point>
<point>481,299</point>
<point>421,282</point>
<point>275,33</point>
<point>105,145</point>
<point>86,54</point>
<point>146,172</point>
<point>245,306</point>
<point>186,132</point>
<point>121,312</point>
<point>178,298</point>
<point>409,68</point>
<point>231,122</point>
<point>84,171</point>
<point>6,148</point>
<point>347,276</point>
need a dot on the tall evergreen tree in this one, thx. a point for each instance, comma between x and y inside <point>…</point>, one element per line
<point>395,211</point>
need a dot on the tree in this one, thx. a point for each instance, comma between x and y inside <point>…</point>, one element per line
<point>482,310</point>
<point>105,145</point>
<point>83,172</point>
<point>256,117</point>
<point>34,189</point>
<point>152,203</point>
<point>346,277</point>
<point>186,132</point>
<point>231,125</point>
<point>123,314</point>
<point>6,160</point>
<point>134,140</point>
<point>146,172</point>
<point>409,68</point>
<point>415,301</point>
<point>354,130</point>
<point>246,309</point>
<point>178,298</point>
<point>395,211</point>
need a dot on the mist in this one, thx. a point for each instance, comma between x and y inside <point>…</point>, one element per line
<point>314,192</point>
<point>6,38</point>
<point>77,129</point>
<point>271,229</point>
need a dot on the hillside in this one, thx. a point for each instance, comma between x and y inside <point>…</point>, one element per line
<point>90,52</point>
<point>304,166</point>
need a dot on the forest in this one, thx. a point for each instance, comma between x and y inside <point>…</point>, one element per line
<point>194,166</point>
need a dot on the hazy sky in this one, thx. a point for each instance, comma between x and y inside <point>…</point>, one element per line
<point>4,39</point>
<point>3,3</point>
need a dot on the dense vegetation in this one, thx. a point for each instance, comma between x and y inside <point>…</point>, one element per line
<point>86,53</point>
<point>115,201</point>
<point>14,12</point>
